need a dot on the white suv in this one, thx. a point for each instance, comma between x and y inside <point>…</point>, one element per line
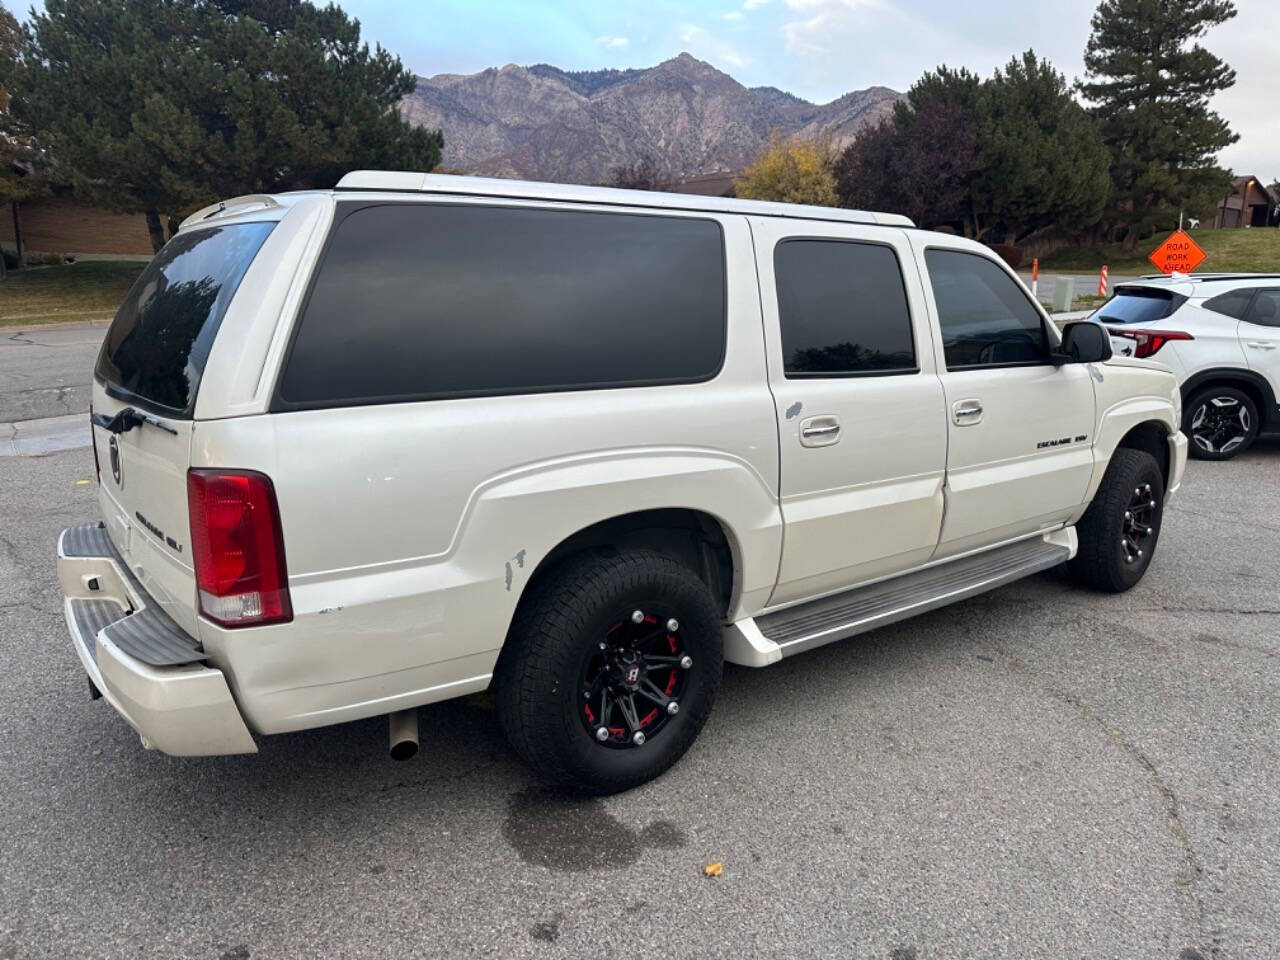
<point>1220,334</point>
<point>371,448</point>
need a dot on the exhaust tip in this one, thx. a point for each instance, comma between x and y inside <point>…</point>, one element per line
<point>402,727</point>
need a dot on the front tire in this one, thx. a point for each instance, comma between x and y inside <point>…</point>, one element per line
<point>1119,531</point>
<point>597,656</point>
<point>1220,422</point>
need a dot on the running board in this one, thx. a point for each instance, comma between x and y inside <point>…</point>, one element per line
<point>813,624</point>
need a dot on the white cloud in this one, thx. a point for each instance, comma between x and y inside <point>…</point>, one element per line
<point>752,4</point>
<point>612,43</point>
<point>731,15</point>
<point>690,33</point>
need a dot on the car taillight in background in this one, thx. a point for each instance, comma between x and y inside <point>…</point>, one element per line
<point>1147,343</point>
<point>238,548</point>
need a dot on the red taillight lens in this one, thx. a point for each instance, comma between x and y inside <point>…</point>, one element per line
<point>238,548</point>
<point>93,442</point>
<point>1148,342</point>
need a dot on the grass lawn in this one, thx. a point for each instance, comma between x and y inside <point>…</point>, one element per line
<point>73,291</point>
<point>1255,250</point>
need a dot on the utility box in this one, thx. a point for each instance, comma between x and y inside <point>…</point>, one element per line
<point>1064,289</point>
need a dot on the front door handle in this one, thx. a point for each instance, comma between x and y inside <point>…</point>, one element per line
<point>966,413</point>
<point>1260,344</point>
<point>819,431</point>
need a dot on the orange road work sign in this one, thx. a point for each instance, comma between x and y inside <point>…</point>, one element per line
<point>1178,252</point>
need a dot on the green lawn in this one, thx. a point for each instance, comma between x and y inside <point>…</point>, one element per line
<point>74,291</point>
<point>1256,250</point>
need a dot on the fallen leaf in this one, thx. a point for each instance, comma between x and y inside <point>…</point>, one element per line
<point>713,869</point>
<point>82,483</point>
<point>95,752</point>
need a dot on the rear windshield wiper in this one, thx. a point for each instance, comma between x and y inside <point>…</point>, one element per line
<point>127,419</point>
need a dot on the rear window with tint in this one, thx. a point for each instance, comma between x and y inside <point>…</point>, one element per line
<point>1139,305</point>
<point>156,348</point>
<point>421,301</point>
<point>843,309</point>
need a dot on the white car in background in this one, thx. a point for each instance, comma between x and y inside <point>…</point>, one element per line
<point>1220,334</point>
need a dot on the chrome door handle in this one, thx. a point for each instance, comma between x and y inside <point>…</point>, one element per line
<point>966,413</point>
<point>1260,344</point>
<point>819,431</point>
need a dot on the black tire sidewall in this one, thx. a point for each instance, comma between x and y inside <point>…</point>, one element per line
<point>1133,474</point>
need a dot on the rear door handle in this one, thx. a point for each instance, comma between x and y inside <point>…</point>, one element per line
<point>1260,344</point>
<point>819,431</point>
<point>966,413</point>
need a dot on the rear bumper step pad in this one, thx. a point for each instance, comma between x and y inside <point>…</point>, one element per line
<point>148,634</point>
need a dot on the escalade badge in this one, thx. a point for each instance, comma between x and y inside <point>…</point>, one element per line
<point>114,449</point>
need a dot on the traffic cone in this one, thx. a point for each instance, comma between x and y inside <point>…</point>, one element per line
<point>1102,282</point>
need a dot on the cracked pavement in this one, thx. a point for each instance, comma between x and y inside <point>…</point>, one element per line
<point>1038,772</point>
<point>45,371</point>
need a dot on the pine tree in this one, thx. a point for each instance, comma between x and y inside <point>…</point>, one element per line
<point>1150,84</point>
<point>1044,164</point>
<point>161,106</point>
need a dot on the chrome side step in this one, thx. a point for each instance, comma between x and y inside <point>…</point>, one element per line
<point>864,608</point>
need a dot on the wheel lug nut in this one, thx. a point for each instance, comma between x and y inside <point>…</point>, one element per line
<point>673,624</point>
<point>686,662</point>
<point>673,708</point>
<point>603,645</point>
<point>637,616</point>
<point>638,737</point>
<point>1128,515</point>
<point>602,734</point>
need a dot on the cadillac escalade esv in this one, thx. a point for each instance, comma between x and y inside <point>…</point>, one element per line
<point>420,436</point>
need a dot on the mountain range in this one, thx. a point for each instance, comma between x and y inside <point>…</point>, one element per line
<point>544,123</point>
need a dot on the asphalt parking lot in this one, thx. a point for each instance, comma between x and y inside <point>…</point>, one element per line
<point>1040,772</point>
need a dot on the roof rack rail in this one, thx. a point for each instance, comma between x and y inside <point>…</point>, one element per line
<point>405,181</point>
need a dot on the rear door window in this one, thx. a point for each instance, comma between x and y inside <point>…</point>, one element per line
<point>421,301</point>
<point>156,348</point>
<point>843,309</point>
<point>987,319</point>
<point>1139,305</point>
<point>1265,310</point>
<point>1233,303</point>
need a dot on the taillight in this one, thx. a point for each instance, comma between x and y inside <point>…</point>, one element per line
<point>238,548</point>
<point>93,442</point>
<point>1148,342</point>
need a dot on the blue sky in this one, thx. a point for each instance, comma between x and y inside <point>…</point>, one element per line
<point>817,49</point>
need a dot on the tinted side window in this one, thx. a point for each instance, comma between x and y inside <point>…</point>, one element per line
<point>1265,309</point>
<point>417,301</point>
<point>156,348</point>
<point>1233,303</point>
<point>1139,305</point>
<point>843,309</point>
<point>986,317</point>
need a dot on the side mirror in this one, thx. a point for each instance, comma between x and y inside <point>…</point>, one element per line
<point>1084,342</point>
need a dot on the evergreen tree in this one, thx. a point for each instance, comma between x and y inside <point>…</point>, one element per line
<point>1150,84</point>
<point>160,106</point>
<point>1044,164</point>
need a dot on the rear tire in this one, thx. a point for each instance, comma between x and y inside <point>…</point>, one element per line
<point>1220,423</point>
<point>577,624</point>
<point>1119,531</point>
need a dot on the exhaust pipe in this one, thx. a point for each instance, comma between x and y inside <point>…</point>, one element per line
<point>403,726</point>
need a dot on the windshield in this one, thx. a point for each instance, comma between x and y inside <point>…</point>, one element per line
<point>156,348</point>
<point>1139,305</point>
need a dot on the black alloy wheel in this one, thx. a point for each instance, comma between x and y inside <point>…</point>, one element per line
<point>1220,422</point>
<point>633,678</point>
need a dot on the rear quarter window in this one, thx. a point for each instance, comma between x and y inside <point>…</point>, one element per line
<point>422,301</point>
